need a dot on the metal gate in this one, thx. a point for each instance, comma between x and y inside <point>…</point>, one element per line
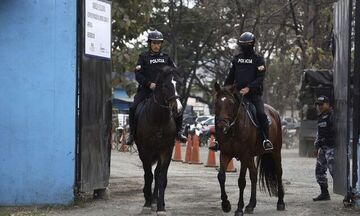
<point>94,97</point>
<point>342,32</point>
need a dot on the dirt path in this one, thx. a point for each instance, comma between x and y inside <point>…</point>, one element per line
<point>194,190</point>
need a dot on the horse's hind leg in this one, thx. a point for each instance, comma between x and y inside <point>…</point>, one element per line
<point>278,170</point>
<point>224,161</point>
<point>253,178</point>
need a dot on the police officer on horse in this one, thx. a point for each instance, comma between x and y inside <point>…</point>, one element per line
<point>146,71</point>
<point>247,72</point>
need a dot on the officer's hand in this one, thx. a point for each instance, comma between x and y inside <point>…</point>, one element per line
<point>152,86</point>
<point>244,91</point>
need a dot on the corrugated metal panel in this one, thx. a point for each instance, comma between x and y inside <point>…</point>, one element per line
<point>342,10</point>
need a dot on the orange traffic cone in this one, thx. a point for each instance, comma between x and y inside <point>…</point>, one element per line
<point>230,167</point>
<point>195,154</point>
<point>211,161</point>
<point>177,151</point>
<point>188,149</point>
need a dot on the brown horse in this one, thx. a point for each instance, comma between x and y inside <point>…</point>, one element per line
<point>155,137</point>
<point>238,138</point>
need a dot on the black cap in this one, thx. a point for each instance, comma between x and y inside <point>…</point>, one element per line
<point>322,99</point>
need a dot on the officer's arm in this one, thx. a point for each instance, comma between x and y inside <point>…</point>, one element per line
<point>317,141</point>
<point>231,76</point>
<point>260,75</point>
<point>139,73</point>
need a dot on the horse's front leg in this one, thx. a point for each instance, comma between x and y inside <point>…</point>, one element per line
<point>224,161</point>
<point>155,194</point>
<point>253,178</point>
<point>165,159</point>
<point>148,177</point>
<point>241,184</point>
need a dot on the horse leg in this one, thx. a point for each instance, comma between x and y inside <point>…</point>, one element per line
<point>241,184</point>
<point>278,170</point>
<point>253,178</point>
<point>155,194</point>
<point>224,161</point>
<point>148,177</point>
<point>164,166</point>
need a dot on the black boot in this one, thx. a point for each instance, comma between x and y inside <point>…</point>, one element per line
<point>267,145</point>
<point>181,137</point>
<point>215,147</point>
<point>130,140</point>
<point>324,194</point>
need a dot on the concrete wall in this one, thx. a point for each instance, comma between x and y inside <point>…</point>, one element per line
<point>37,101</point>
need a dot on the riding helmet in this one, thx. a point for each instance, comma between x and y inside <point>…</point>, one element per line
<point>155,36</point>
<point>247,38</point>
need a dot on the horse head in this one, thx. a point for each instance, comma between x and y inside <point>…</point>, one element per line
<point>166,90</point>
<point>227,102</point>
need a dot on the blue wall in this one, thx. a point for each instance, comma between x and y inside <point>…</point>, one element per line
<point>37,101</point>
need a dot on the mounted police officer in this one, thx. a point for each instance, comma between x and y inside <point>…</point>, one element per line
<point>146,70</point>
<point>247,72</point>
<point>324,146</point>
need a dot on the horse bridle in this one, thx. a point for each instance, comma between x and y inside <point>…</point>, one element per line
<point>229,123</point>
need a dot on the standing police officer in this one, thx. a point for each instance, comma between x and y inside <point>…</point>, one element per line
<point>324,145</point>
<point>248,72</point>
<point>146,71</point>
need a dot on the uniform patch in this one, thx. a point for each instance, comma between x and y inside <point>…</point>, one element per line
<point>155,61</point>
<point>138,67</point>
<point>322,124</point>
<point>261,68</point>
<point>247,61</point>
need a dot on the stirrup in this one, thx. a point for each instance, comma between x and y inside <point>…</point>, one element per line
<point>267,145</point>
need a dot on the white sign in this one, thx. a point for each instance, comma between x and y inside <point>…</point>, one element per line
<point>98,28</point>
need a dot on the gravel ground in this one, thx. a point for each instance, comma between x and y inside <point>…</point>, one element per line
<point>194,190</point>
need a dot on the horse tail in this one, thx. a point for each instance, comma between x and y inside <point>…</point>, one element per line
<point>267,175</point>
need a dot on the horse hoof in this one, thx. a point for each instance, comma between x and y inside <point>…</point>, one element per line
<point>249,210</point>
<point>239,213</point>
<point>146,210</point>
<point>153,206</point>
<point>281,207</point>
<point>159,213</point>
<point>226,206</point>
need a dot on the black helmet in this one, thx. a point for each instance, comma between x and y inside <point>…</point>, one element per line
<point>247,38</point>
<point>155,36</point>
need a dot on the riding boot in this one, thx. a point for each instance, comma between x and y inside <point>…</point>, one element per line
<point>215,147</point>
<point>324,194</point>
<point>130,139</point>
<point>179,133</point>
<point>268,146</point>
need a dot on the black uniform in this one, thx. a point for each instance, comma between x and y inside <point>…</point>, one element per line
<point>325,142</point>
<point>146,71</point>
<point>249,71</point>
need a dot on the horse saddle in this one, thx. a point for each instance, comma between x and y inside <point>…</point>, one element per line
<point>251,112</point>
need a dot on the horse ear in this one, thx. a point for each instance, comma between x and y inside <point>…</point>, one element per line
<point>217,87</point>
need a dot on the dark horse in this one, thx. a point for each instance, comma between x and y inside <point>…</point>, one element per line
<point>155,136</point>
<point>238,138</point>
